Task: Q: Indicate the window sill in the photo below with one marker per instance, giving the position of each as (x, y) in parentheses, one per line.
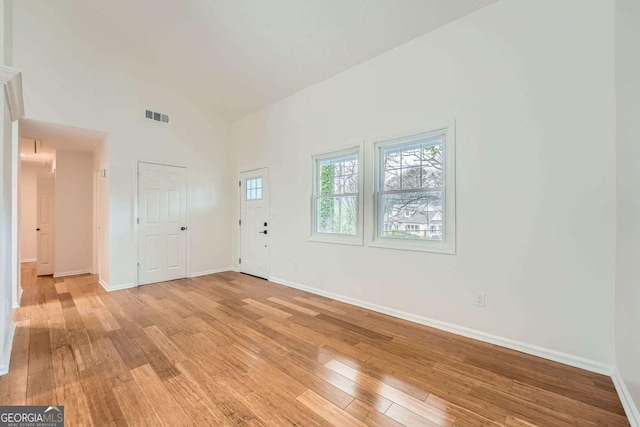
(337, 239)
(423, 246)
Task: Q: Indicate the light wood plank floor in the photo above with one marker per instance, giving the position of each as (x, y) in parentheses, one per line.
(229, 349)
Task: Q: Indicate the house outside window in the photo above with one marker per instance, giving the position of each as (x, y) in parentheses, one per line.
(415, 190)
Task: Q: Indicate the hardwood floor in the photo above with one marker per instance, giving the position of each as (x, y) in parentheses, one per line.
(229, 349)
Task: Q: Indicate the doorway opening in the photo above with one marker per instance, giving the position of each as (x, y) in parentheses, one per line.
(62, 200)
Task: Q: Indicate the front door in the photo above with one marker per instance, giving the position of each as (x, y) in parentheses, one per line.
(254, 223)
(45, 206)
(162, 218)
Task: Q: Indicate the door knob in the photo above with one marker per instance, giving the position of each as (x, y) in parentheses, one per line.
(262, 232)
(183, 228)
(37, 229)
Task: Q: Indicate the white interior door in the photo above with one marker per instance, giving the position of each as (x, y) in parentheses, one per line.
(45, 207)
(254, 223)
(162, 231)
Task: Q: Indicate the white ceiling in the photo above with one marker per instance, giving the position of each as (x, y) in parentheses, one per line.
(53, 137)
(245, 54)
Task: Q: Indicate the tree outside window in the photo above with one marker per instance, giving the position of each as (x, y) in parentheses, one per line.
(337, 195)
(411, 196)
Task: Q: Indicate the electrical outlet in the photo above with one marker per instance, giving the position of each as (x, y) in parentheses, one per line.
(296, 265)
(480, 299)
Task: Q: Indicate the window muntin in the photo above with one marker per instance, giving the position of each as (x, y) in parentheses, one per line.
(336, 199)
(337, 195)
(413, 165)
(412, 183)
(414, 190)
(253, 188)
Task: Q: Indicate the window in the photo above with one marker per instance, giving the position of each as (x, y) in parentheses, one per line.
(253, 189)
(414, 191)
(336, 201)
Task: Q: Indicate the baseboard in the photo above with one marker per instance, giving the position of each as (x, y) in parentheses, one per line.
(28, 260)
(545, 353)
(629, 406)
(204, 273)
(6, 351)
(17, 305)
(104, 284)
(72, 273)
(121, 287)
(109, 288)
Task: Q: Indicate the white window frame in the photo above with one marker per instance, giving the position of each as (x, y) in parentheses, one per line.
(345, 239)
(448, 243)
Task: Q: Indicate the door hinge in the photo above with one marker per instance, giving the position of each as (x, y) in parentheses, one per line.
(138, 265)
(239, 260)
(239, 222)
(239, 183)
(137, 220)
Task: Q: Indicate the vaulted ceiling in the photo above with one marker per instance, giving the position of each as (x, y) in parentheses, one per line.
(245, 54)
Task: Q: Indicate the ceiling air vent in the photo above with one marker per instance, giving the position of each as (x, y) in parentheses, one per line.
(158, 117)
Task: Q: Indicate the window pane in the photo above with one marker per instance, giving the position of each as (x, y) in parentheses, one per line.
(411, 155)
(254, 183)
(338, 175)
(392, 158)
(412, 178)
(432, 164)
(432, 177)
(337, 214)
(413, 166)
(326, 177)
(392, 179)
(416, 215)
(346, 184)
(253, 188)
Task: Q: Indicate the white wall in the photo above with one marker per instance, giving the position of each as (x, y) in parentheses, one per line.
(76, 72)
(7, 152)
(6, 34)
(101, 210)
(73, 213)
(628, 196)
(28, 209)
(531, 86)
(6, 323)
